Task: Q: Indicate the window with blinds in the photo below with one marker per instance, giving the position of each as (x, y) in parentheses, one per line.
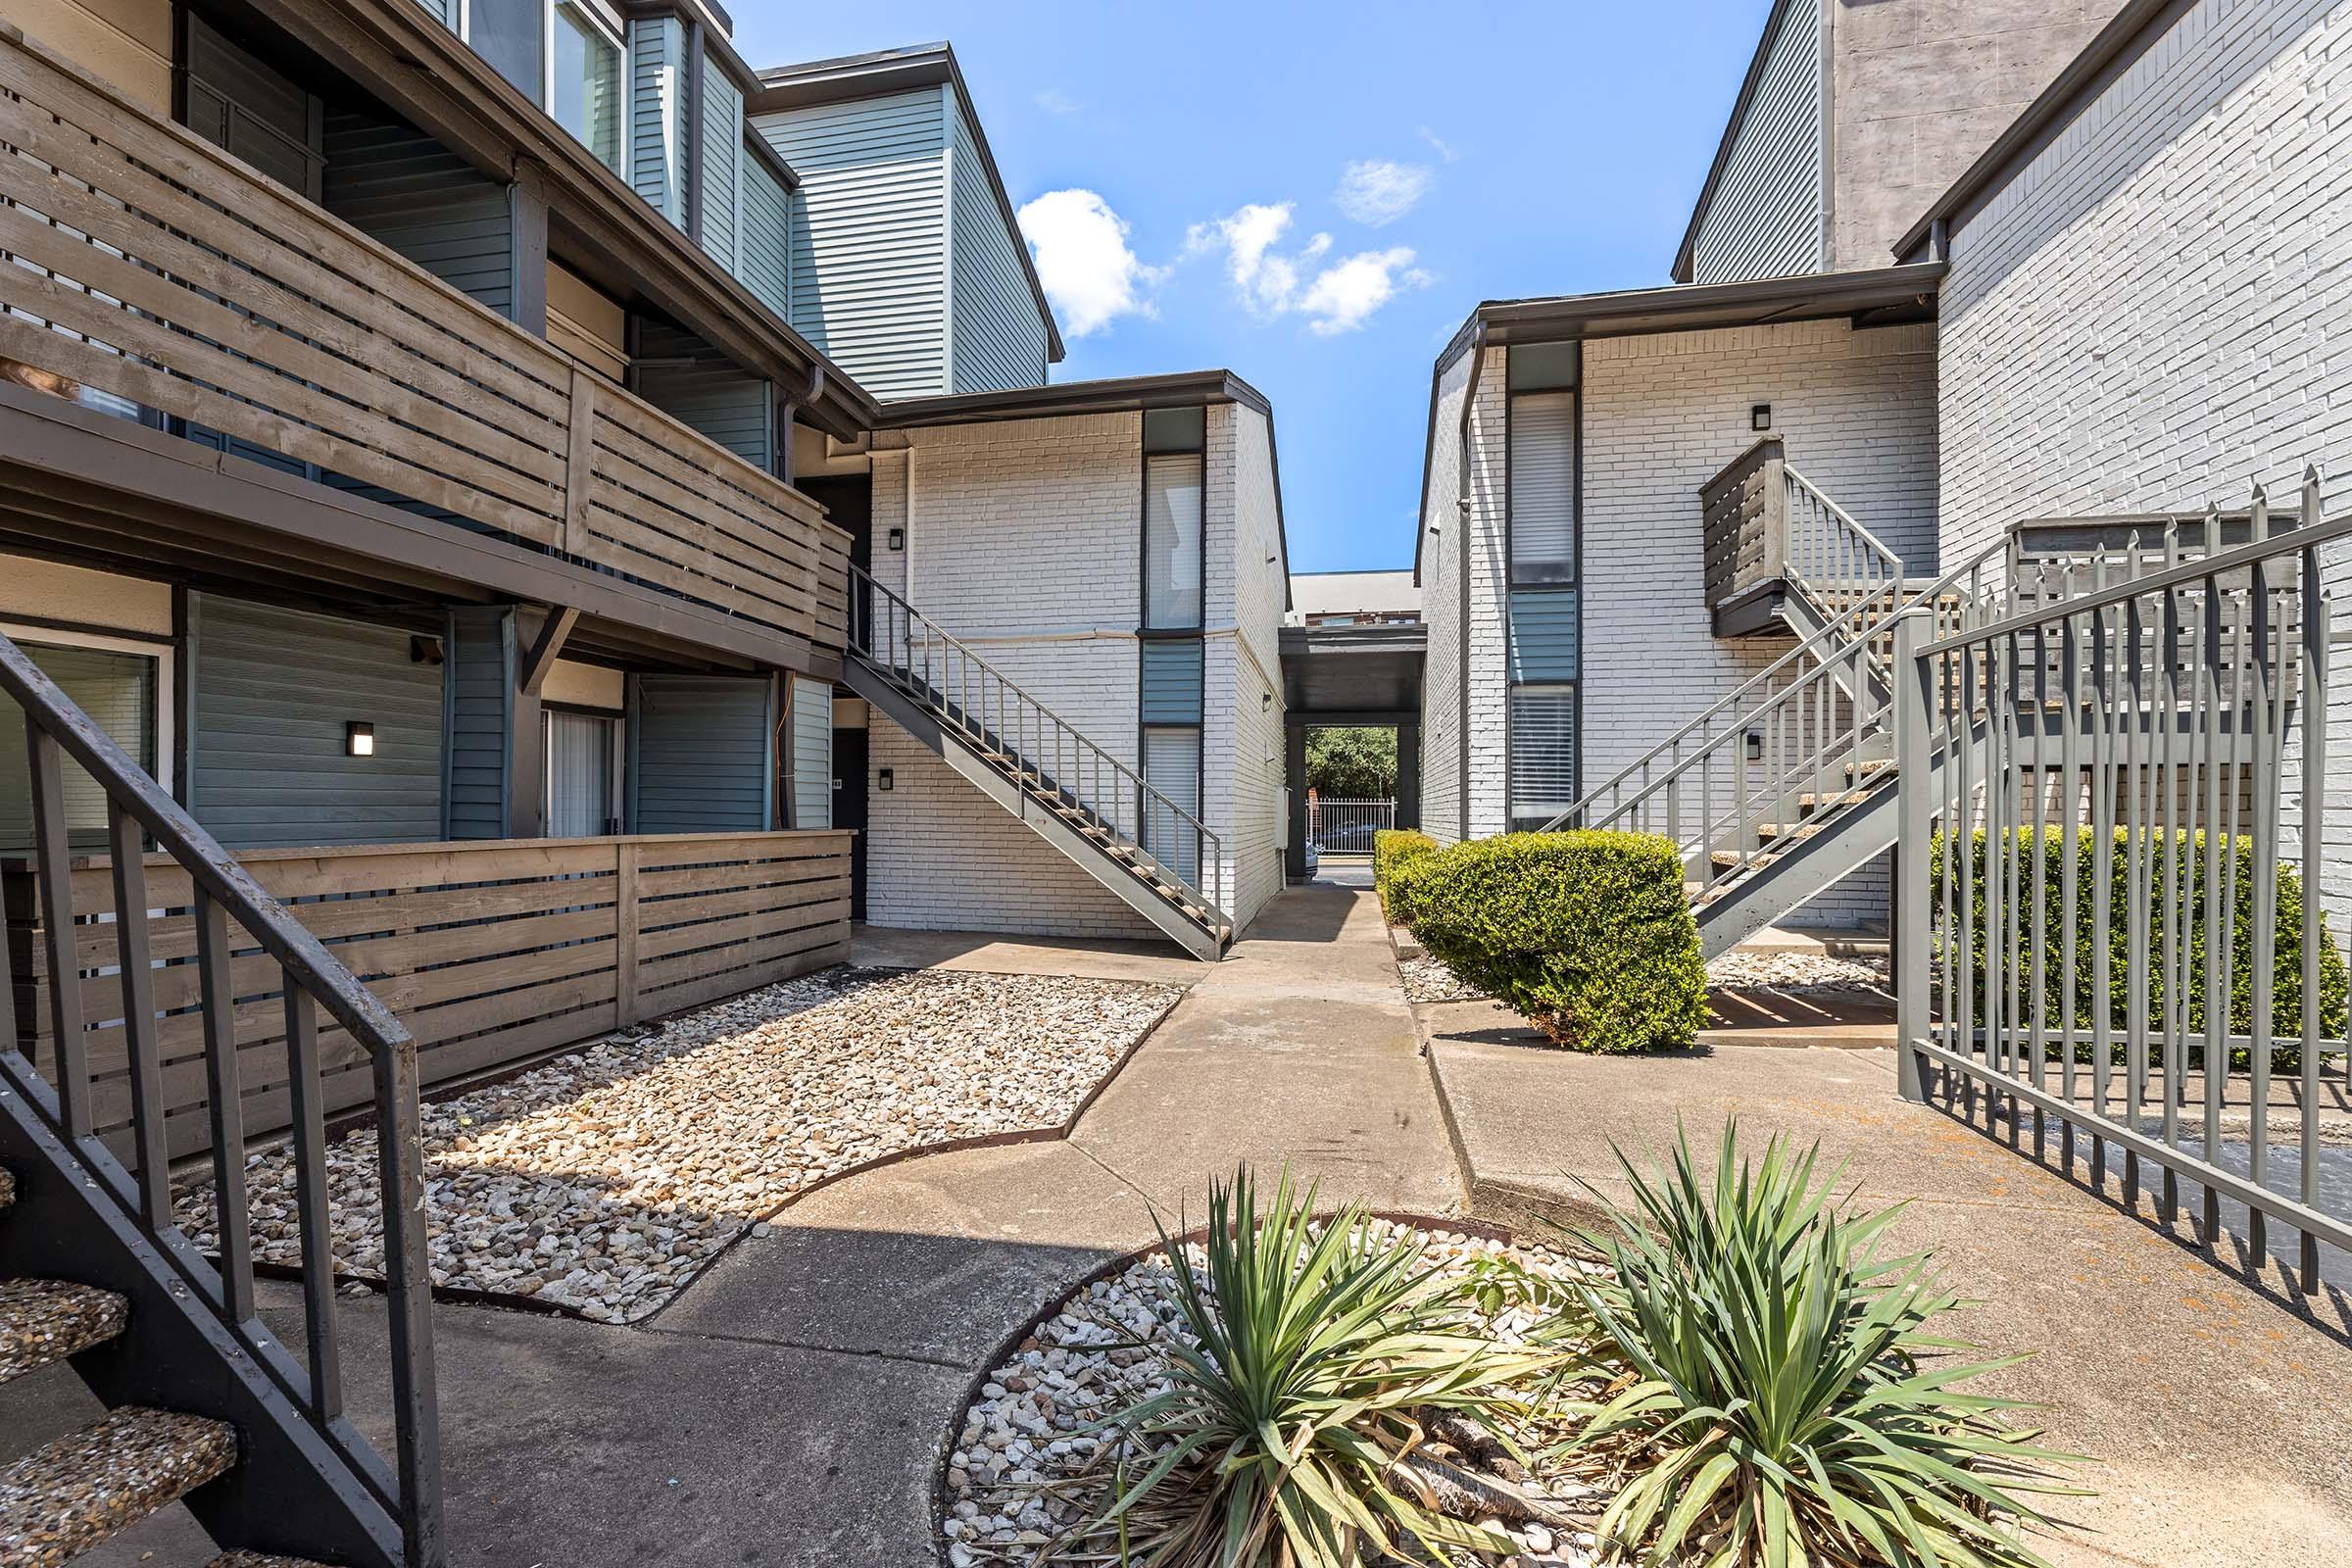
(580, 750)
(1542, 754)
(1172, 766)
(1172, 486)
(118, 691)
(1543, 487)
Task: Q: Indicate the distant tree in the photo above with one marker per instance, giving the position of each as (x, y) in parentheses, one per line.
(1352, 764)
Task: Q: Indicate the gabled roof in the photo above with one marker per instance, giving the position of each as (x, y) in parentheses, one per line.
(1682, 257)
(1878, 296)
(2108, 54)
(848, 78)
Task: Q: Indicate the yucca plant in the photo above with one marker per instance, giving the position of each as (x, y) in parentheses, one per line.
(1763, 1387)
(1319, 1358)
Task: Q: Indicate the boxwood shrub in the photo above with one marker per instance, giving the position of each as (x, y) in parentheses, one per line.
(1587, 934)
(1393, 850)
(2082, 862)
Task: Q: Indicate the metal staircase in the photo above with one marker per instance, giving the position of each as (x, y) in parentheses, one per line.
(1157, 858)
(1787, 784)
(206, 1404)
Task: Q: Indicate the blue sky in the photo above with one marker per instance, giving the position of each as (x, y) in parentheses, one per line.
(1429, 156)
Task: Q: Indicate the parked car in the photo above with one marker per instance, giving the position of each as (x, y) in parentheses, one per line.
(1346, 838)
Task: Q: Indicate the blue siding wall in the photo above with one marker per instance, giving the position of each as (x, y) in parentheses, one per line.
(271, 693)
(723, 160)
(1543, 636)
(711, 395)
(764, 263)
(999, 334)
(657, 156)
(869, 258)
(1765, 217)
(414, 195)
(699, 754)
(1172, 681)
(480, 713)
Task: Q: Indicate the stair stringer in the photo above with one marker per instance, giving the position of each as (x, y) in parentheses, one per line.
(938, 738)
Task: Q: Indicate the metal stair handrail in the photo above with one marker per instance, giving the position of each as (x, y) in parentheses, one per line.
(1049, 758)
(1837, 655)
(313, 977)
(1828, 547)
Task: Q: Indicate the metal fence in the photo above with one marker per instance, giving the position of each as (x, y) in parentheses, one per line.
(2126, 804)
(1345, 827)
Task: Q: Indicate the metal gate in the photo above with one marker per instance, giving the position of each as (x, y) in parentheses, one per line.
(1345, 827)
(2124, 864)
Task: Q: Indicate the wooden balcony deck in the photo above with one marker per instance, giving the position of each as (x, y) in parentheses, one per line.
(143, 262)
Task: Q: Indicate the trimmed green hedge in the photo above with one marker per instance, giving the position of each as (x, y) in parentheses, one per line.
(2082, 862)
(1393, 850)
(1587, 934)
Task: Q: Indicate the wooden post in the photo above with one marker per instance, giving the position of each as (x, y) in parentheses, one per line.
(579, 461)
(626, 1007)
(1770, 475)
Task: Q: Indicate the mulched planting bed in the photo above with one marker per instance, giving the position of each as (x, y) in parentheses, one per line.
(1026, 1469)
(602, 1181)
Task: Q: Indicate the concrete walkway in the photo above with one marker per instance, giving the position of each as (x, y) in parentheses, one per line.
(788, 1408)
(2221, 1412)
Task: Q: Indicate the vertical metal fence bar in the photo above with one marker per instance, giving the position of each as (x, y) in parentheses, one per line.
(54, 863)
(2222, 919)
(2137, 841)
(225, 1108)
(2069, 763)
(2102, 879)
(312, 1199)
(2263, 819)
(2222, 735)
(2043, 717)
(2166, 778)
(2318, 614)
(127, 843)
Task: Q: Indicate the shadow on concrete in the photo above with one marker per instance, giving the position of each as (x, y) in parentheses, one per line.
(1305, 912)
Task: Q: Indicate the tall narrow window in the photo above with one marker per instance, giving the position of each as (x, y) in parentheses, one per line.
(1542, 754)
(508, 34)
(587, 81)
(116, 689)
(581, 756)
(1542, 481)
(1172, 520)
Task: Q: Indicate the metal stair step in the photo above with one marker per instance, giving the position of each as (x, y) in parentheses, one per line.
(1823, 803)
(1754, 860)
(8, 1187)
(1768, 831)
(60, 1500)
(42, 1321)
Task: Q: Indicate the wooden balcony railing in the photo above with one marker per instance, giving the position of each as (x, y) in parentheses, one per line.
(486, 952)
(1744, 527)
(139, 260)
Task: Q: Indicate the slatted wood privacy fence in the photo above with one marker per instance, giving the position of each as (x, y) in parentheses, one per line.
(139, 260)
(489, 953)
(1744, 527)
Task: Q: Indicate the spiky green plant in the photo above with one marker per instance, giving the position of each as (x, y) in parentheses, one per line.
(1313, 1350)
(1765, 1387)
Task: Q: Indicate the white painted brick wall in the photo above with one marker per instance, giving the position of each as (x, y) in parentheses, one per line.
(1488, 688)
(1024, 538)
(1241, 732)
(2153, 315)
(1442, 568)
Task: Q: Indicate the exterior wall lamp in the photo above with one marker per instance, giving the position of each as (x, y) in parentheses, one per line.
(882, 780)
(1759, 417)
(897, 538)
(359, 738)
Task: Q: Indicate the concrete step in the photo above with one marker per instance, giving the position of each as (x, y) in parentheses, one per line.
(60, 1500)
(44, 1321)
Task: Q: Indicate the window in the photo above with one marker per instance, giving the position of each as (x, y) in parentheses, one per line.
(585, 89)
(1542, 754)
(583, 756)
(1172, 766)
(117, 687)
(1543, 487)
(1172, 540)
(563, 55)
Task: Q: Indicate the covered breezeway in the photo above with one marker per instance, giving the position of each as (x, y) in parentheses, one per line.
(1352, 675)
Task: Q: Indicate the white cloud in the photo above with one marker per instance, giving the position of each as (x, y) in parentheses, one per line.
(1445, 150)
(1379, 190)
(1272, 282)
(1343, 296)
(1083, 259)
(1053, 101)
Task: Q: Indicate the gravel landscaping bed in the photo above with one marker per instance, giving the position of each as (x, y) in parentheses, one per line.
(602, 1181)
(1025, 1468)
(1796, 970)
(1426, 979)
